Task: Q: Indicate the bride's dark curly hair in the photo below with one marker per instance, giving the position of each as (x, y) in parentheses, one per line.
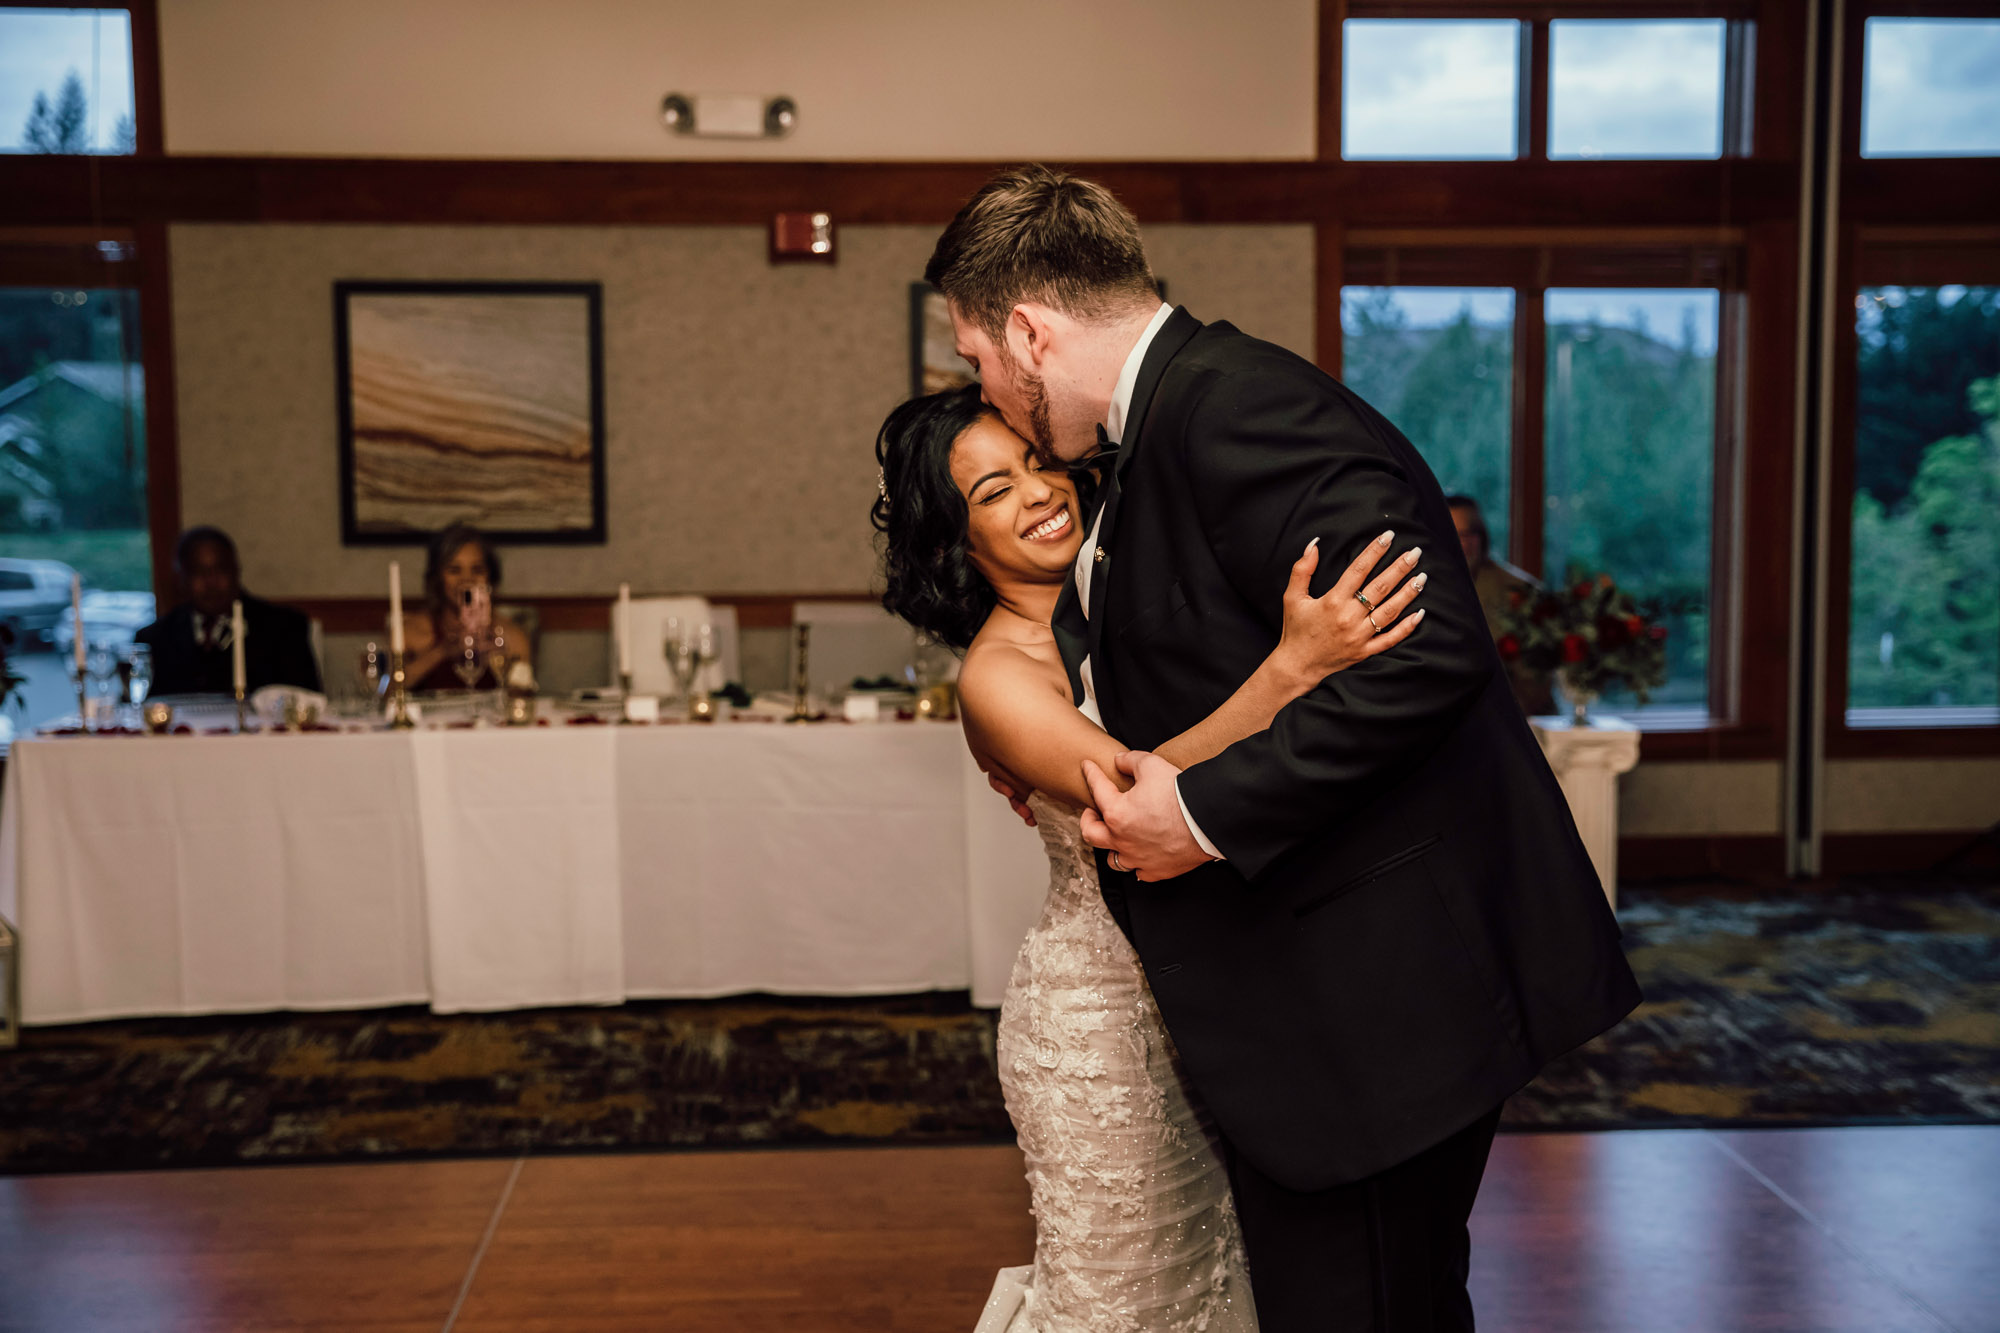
(928, 575)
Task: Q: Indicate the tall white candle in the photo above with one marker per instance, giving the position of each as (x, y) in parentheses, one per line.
(76, 618)
(624, 630)
(236, 677)
(395, 607)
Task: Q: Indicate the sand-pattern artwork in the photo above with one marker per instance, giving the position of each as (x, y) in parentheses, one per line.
(470, 407)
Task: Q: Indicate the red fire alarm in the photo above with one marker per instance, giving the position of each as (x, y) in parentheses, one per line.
(802, 237)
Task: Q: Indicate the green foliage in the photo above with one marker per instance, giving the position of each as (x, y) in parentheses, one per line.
(1630, 466)
(117, 561)
(1926, 576)
(1448, 389)
(1919, 348)
(62, 126)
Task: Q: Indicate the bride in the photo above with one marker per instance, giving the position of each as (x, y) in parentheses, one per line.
(1134, 1225)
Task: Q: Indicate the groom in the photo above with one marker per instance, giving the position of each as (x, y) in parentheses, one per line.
(1368, 925)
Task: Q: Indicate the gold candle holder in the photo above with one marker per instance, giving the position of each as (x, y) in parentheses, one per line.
(159, 716)
(801, 709)
(624, 698)
(399, 695)
(701, 708)
(242, 712)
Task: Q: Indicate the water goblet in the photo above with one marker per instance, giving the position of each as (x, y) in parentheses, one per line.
(139, 675)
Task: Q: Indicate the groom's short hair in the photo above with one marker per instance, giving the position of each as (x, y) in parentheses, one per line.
(1037, 234)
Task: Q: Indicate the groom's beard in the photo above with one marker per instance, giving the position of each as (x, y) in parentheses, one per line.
(1041, 435)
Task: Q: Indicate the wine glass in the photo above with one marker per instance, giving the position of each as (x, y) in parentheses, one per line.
(138, 673)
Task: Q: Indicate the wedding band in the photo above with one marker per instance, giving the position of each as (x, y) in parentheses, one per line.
(1362, 598)
(1116, 863)
(1371, 621)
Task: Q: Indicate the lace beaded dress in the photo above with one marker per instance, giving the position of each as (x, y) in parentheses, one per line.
(1135, 1230)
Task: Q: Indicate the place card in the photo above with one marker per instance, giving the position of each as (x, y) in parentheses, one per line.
(862, 707)
(642, 708)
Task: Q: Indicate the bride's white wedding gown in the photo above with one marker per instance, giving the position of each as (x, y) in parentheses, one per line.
(1135, 1229)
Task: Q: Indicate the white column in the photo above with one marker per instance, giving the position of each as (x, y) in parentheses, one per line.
(1587, 763)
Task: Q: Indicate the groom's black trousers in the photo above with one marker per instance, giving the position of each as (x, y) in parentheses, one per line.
(1387, 1254)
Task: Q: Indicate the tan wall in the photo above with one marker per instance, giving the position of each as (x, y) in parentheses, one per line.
(1911, 795)
(1185, 79)
(742, 398)
(1668, 800)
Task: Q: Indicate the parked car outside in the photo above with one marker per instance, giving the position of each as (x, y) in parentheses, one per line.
(109, 618)
(34, 596)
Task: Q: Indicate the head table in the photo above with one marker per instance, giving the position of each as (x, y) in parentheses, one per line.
(502, 868)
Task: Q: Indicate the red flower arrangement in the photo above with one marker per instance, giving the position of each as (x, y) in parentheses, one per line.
(1593, 632)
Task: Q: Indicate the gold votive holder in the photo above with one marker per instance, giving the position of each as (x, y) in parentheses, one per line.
(701, 708)
(159, 717)
(520, 710)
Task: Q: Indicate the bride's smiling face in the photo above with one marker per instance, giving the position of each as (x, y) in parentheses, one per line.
(1023, 523)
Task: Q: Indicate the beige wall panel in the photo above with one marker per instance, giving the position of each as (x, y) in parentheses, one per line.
(1911, 795)
(1701, 799)
(742, 398)
(1173, 79)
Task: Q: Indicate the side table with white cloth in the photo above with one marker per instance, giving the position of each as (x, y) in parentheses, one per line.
(501, 868)
(1587, 761)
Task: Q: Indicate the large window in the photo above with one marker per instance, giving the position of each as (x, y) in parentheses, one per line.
(1931, 88)
(1606, 403)
(1629, 460)
(1924, 607)
(1512, 88)
(66, 81)
(72, 483)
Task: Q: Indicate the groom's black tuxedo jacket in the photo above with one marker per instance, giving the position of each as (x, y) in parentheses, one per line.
(1406, 927)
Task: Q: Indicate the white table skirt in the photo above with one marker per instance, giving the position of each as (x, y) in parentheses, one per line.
(507, 869)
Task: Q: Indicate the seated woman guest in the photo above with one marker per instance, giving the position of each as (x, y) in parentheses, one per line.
(461, 577)
(191, 644)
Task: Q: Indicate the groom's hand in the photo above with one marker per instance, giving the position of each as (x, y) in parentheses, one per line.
(1144, 827)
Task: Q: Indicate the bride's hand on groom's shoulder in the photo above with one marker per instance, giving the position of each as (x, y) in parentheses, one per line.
(1357, 618)
(1011, 787)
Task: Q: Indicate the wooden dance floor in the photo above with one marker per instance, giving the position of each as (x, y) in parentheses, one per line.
(1819, 1231)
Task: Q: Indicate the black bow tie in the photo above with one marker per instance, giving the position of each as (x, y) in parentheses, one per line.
(1106, 450)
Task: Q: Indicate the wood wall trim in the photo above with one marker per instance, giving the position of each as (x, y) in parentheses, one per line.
(47, 191)
(1761, 857)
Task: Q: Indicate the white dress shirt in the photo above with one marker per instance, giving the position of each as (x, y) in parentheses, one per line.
(1114, 430)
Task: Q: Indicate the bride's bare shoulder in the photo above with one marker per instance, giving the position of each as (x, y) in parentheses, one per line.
(997, 666)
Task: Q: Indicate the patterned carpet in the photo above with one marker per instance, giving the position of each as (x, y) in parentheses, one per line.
(1871, 1004)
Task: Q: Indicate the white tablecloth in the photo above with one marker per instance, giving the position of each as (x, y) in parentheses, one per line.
(504, 869)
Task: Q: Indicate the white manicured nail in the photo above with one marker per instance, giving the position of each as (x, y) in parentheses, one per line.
(1417, 583)
(1386, 538)
(1415, 618)
(1412, 554)
(1314, 542)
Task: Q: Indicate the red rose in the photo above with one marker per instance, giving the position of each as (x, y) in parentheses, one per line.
(1573, 648)
(1509, 646)
(1634, 624)
(1659, 634)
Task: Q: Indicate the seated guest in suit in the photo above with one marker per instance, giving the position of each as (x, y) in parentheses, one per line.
(191, 643)
(1496, 581)
(461, 578)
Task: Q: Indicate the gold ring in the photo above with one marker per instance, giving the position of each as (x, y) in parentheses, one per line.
(1371, 621)
(1362, 598)
(1116, 863)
